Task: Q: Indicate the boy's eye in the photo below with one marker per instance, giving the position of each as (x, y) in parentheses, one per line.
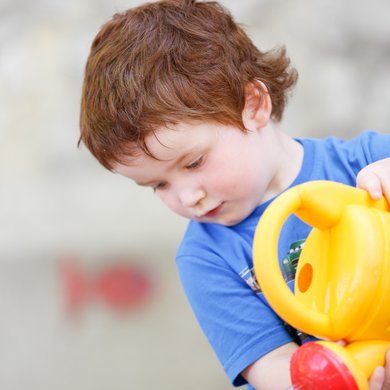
(196, 164)
(160, 186)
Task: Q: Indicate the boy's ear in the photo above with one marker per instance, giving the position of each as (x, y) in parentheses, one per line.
(258, 107)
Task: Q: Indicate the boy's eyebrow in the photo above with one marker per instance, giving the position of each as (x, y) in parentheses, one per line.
(182, 157)
(196, 149)
(146, 184)
(178, 160)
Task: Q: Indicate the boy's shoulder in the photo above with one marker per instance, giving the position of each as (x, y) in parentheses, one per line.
(364, 138)
(367, 142)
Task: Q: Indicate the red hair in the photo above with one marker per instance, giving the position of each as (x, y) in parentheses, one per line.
(168, 61)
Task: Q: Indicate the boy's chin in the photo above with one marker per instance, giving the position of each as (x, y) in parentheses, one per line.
(224, 221)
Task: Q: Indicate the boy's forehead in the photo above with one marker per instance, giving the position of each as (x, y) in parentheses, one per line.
(167, 143)
(140, 168)
(144, 169)
(171, 144)
(163, 138)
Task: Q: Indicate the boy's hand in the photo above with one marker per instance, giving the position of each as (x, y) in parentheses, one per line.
(380, 378)
(375, 178)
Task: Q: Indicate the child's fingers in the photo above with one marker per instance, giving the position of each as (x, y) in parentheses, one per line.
(369, 181)
(375, 178)
(386, 189)
(380, 378)
(386, 380)
(377, 378)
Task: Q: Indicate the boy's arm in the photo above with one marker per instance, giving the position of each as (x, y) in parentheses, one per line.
(272, 371)
(375, 178)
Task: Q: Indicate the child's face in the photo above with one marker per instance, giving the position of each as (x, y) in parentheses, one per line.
(209, 172)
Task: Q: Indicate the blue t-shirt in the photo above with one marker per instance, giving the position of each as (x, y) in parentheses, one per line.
(216, 268)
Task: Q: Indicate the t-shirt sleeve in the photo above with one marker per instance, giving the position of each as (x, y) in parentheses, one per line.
(342, 160)
(375, 146)
(238, 323)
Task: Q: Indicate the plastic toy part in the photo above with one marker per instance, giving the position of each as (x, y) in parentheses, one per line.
(328, 365)
(342, 282)
(313, 366)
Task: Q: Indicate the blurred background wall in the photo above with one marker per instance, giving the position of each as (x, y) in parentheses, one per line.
(57, 203)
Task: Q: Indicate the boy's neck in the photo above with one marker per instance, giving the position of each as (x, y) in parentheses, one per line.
(290, 153)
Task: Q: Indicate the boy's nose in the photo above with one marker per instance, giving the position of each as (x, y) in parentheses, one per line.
(190, 198)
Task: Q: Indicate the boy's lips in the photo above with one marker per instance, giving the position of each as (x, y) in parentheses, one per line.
(213, 212)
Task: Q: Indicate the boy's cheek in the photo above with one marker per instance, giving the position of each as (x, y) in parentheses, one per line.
(164, 199)
(171, 204)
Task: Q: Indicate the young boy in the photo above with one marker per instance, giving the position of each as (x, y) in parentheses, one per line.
(177, 98)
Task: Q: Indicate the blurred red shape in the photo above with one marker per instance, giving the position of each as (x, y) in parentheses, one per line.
(122, 286)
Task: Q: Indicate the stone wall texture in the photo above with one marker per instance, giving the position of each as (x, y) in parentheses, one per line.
(56, 201)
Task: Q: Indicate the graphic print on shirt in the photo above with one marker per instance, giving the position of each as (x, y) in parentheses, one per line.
(248, 274)
(289, 269)
(290, 262)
